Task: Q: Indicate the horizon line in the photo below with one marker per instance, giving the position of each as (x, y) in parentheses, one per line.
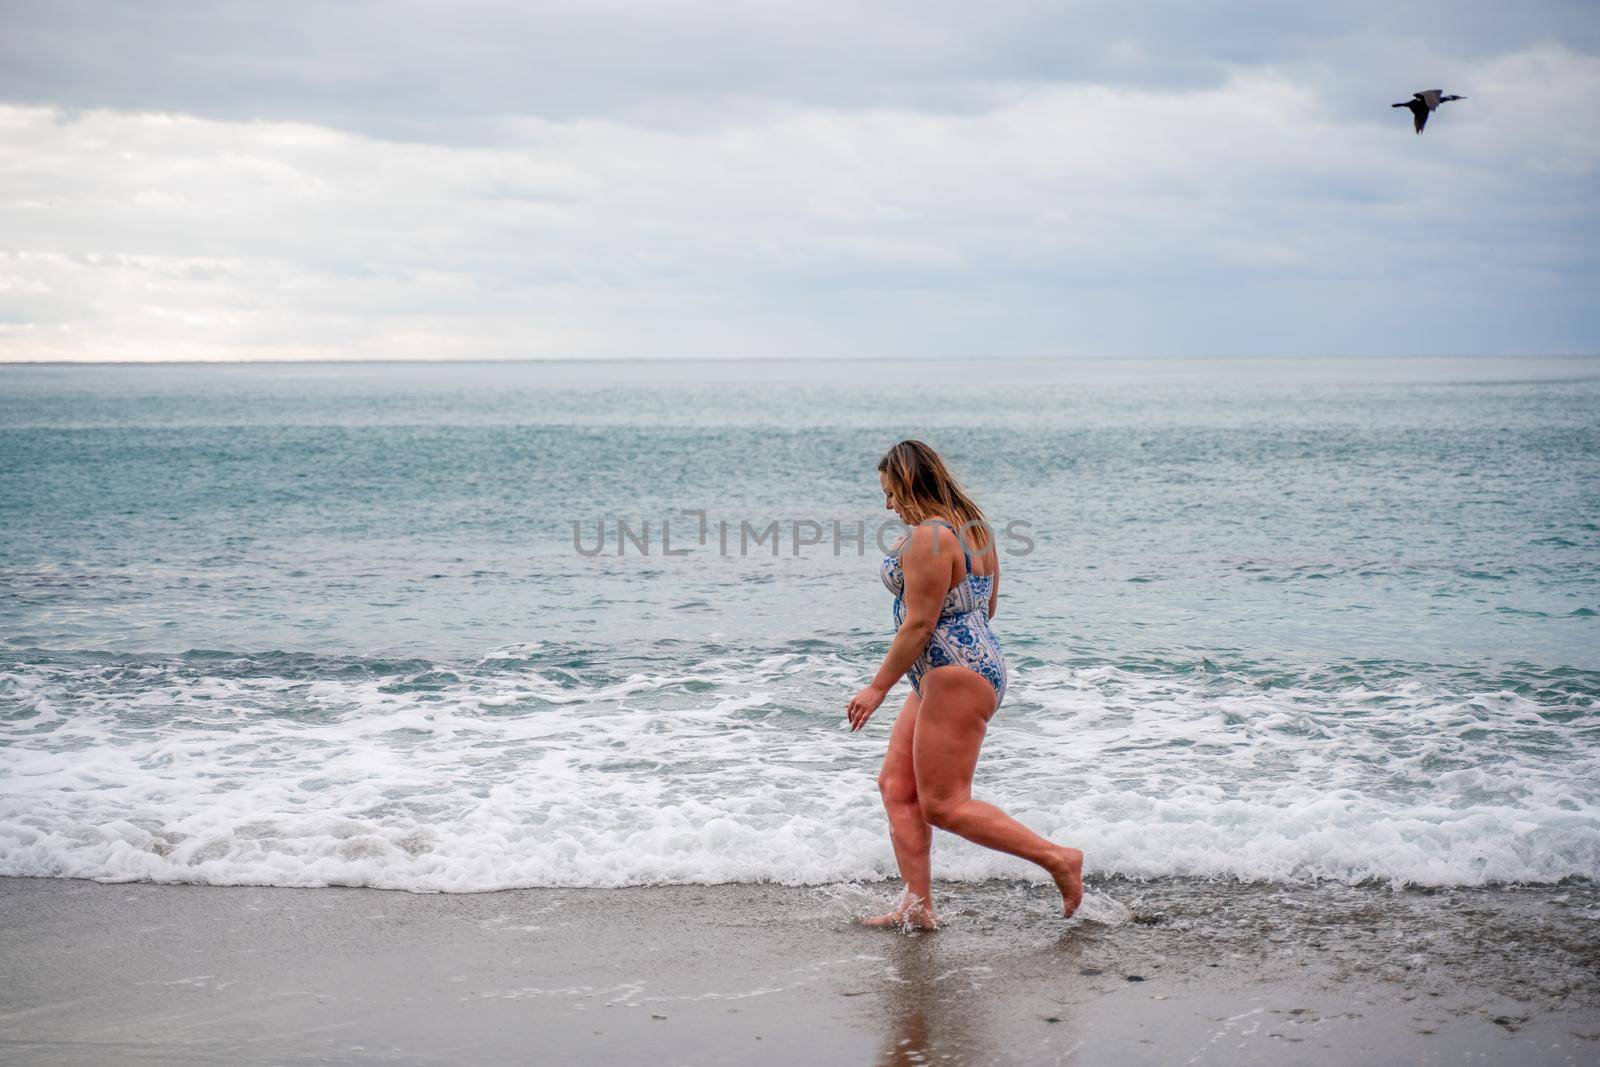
(258, 361)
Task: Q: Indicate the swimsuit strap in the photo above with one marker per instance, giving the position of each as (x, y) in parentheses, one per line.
(965, 555)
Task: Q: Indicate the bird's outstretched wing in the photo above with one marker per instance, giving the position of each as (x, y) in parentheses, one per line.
(1430, 97)
(1419, 117)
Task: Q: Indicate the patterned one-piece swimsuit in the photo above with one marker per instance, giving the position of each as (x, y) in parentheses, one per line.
(962, 637)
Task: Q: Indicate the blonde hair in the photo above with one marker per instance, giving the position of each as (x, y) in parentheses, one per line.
(925, 489)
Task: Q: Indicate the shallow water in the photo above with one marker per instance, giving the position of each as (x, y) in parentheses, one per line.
(317, 624)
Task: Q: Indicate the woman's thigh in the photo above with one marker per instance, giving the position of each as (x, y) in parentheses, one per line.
(949, 728)
(899, 775)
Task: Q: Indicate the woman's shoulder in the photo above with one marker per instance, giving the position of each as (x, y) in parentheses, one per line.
(931, 538)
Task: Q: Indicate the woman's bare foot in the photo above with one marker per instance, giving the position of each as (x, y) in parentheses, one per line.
(1068, 873)
(911, 913)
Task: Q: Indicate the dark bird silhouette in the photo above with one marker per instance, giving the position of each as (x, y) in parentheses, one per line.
(1423, 103)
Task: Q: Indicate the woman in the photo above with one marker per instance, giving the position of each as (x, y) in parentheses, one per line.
(944, 596)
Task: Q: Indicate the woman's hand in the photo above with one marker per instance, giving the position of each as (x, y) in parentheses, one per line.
(862, 705)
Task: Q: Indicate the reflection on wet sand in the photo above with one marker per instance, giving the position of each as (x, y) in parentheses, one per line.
(929, 1012)
(935, 1006)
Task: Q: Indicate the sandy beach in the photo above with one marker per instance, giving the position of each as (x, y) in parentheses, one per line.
(1200, 973)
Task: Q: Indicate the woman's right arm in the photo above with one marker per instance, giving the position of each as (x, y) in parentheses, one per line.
(994, 590)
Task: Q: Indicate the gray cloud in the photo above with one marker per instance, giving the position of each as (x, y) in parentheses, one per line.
(450, 72)
(355, 180)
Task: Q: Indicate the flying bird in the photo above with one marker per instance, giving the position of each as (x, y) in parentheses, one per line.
(1421, 104)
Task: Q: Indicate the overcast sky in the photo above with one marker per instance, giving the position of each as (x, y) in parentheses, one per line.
(748, 179)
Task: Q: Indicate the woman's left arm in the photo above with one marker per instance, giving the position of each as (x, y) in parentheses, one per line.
(925, 562)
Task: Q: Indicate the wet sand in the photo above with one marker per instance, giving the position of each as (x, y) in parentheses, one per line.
(1200, 973)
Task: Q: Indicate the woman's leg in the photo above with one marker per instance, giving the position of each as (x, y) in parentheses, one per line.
(911, 836)
(954, 714)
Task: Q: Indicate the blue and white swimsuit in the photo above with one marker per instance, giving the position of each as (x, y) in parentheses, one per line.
(962, 637)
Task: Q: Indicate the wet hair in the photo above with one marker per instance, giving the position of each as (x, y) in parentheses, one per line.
(926, 489)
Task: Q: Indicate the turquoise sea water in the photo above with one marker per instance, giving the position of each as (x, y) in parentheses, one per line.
(316, 623)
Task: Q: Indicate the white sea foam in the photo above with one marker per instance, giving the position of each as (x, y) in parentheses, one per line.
(735, 769)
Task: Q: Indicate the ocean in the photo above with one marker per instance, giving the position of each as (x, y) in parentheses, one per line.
(462, 627)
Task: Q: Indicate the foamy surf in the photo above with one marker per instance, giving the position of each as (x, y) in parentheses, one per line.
(1102, 908)
(508, 770)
